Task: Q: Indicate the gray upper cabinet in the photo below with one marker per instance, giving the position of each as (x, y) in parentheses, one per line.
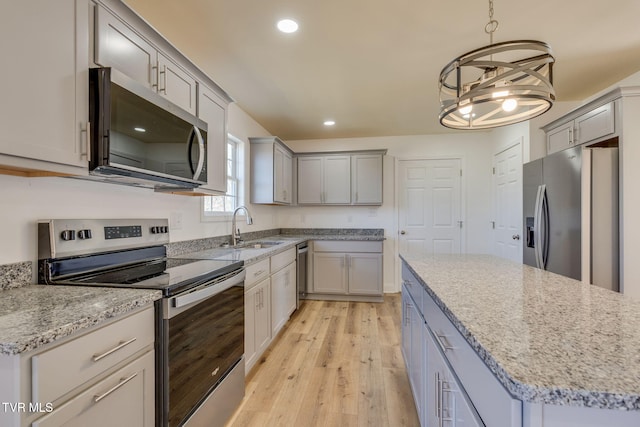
(121, 47)
(574, 129)
(366, 179)
(47, 83)
(345, 178)
(271, 171)
(212, 109)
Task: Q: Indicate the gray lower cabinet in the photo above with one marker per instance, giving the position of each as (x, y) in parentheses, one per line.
(102, 377)
(346, 270)
(450, 383)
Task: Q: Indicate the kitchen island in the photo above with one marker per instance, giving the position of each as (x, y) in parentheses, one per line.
(568, 351)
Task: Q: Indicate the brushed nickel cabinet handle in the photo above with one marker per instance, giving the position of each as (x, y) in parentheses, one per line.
(123, 381)
(120, 345)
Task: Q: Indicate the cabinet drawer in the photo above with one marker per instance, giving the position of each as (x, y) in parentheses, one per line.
(346, 246)
(89, 355)
(124, 398)
(256, 272)
(282, 259)
(492, 401)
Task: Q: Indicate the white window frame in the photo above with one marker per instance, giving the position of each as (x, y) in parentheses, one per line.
(234, 176)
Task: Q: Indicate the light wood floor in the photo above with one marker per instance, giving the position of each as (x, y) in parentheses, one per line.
(334, 364)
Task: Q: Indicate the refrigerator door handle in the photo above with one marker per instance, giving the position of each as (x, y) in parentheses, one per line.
(537, 227)
(544, 250)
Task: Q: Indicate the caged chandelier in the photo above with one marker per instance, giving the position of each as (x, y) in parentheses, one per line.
(497, 85)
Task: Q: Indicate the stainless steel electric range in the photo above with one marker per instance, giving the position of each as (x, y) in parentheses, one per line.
(199, 321)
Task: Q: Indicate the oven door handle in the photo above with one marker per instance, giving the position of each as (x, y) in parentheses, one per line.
(208, 290)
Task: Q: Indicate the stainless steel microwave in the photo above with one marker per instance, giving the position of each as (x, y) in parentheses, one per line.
(138, 137)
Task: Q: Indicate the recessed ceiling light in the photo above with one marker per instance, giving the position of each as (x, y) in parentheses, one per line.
(329, 122)
(138, 129)
(287, 26)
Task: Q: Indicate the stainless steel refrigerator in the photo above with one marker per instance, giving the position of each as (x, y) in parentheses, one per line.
(552, 208)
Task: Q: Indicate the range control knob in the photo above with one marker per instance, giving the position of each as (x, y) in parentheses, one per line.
(155, 229)
(165, 229)
(84, 234)
(67, 235)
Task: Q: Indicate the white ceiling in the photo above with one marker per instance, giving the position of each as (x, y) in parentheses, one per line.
(373, 65)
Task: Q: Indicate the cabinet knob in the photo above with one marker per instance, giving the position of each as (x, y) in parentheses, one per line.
(403, 232)
(516, 237)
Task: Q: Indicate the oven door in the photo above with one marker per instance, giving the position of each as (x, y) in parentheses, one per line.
(203, 341)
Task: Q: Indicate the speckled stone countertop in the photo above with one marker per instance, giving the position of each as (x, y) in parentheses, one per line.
(249, 254)
(547, 338)
(34, 315)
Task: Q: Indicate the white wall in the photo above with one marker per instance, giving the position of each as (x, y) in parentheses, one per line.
(474, 148)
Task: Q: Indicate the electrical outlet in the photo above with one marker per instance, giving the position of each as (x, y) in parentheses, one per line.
(175, 220)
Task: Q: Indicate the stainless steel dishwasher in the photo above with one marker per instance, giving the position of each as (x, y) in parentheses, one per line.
(301, 259)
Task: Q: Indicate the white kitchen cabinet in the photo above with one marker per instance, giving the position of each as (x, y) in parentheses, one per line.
(120, 46)
(213, 110)
(347, 270)
(125, 397)
(283, 301)
(366, 179)
(324, 180)
(104, 375)
(44, 86)
(271, 171)
(257, 322)
(587, 127)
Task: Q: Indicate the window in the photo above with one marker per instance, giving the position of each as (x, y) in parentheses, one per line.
(222, 206)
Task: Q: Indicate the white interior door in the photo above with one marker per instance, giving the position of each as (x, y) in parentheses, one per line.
(507, 181)
(430, 215)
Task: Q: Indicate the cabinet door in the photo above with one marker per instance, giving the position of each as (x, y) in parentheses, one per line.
(417, 368)
(446, 401)
(282, 174)
(337, 180)
(329, 273)
(251, 306)
(118, 46)
(45, 82)
(125, 398)
(176, 84)
(595, 124)
(263, 317)
(281, 284)
(365, 273)
(366, 179)
(560, 138)
(310, 177)
(212, 110)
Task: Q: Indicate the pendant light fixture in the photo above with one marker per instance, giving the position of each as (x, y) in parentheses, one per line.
(497, 85)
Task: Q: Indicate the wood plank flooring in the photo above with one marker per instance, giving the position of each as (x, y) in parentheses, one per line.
(334, 364)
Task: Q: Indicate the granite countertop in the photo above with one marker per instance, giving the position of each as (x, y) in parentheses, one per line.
(250, 254)
(34, 315)
(547, 338)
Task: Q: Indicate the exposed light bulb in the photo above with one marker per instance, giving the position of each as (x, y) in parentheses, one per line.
(466, 109)
(509, 104)
(329, 122)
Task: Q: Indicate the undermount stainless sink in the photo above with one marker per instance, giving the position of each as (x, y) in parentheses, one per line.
(257, 245)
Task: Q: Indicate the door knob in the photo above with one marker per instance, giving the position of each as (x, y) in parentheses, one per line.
(516, 237)
(403, 232)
